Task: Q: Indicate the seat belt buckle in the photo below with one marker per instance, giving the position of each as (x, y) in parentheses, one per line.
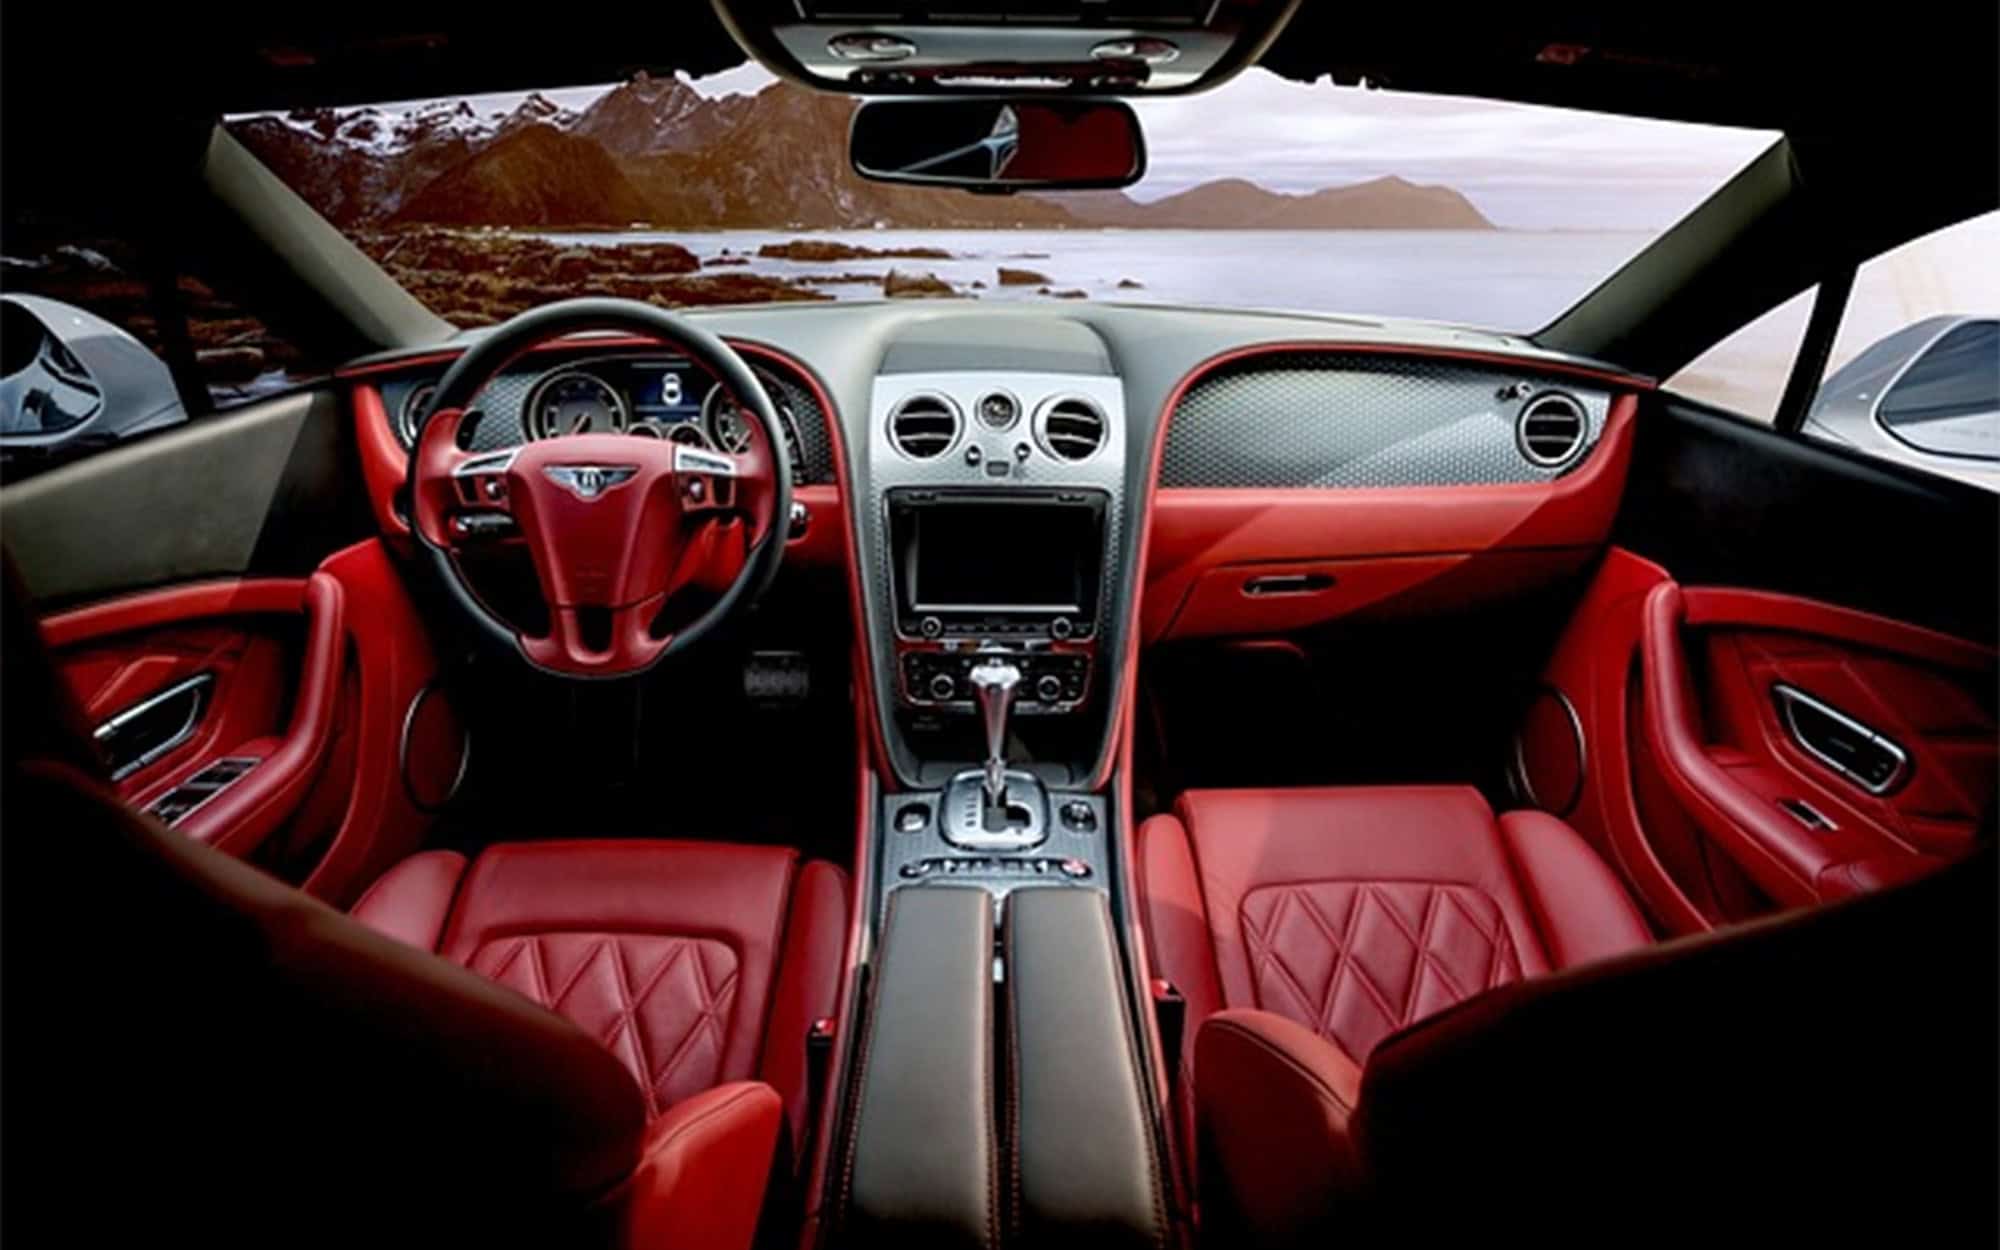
(819, 1055)
(1170, 1015)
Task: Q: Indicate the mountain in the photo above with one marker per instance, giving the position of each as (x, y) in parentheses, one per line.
(657, 150)
(1389, 203)
(651, 116)
(537, 175)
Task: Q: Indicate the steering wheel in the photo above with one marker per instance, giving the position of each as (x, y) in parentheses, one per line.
(617, 524)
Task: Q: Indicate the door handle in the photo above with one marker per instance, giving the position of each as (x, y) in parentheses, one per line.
(1864, 756)
(155, 725)
(1287, 584)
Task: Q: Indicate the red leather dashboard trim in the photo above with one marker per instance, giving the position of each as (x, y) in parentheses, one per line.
(1573, 510)
(1708, 606)
(384, 465)
(1380, 534)
(857, 614)
(172, 605)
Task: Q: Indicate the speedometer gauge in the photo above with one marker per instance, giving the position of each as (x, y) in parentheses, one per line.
(575, 403)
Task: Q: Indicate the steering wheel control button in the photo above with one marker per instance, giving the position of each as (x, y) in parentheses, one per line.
(1079, 817)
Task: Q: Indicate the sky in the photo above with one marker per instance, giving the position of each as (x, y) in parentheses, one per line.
(1525, 166)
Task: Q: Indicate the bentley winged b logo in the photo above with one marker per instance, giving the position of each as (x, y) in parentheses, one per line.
(588, 481)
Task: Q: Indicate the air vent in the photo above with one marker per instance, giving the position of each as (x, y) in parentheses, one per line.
(924, 426)
(1551, 429)
(1070, 428)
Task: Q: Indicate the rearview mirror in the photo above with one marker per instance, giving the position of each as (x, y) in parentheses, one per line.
(998, 144)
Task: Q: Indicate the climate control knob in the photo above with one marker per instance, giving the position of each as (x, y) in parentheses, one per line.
(1048, 688)
(943, 687)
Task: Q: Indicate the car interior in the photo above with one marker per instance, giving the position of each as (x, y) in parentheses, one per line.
(984, 773)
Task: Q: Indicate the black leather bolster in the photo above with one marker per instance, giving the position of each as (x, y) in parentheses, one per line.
(1085, 1170)
(921, 1159)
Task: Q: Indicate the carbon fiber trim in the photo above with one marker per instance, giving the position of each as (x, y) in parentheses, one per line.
(504, 401)
(1336, 420)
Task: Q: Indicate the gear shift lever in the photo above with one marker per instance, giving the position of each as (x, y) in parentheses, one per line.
(993, 682)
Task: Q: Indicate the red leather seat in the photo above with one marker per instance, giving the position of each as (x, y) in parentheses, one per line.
(1349, 913)
(695, 963)
(1356, 911)
(1409, 1020)
(195, 1046)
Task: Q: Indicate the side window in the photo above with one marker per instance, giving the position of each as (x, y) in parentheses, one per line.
(1746, 372)
(1914, 373)
(85, 362)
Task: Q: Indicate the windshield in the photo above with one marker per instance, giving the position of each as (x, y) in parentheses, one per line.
(1264, 193)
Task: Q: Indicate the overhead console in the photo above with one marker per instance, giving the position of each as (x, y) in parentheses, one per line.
(1124, 47)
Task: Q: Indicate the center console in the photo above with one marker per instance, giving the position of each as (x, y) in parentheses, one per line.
(990, 504)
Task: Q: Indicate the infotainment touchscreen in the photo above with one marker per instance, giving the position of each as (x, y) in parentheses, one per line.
(977, 556)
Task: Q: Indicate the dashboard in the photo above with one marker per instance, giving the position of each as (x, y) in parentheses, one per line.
(644, 394)
(1067, 486)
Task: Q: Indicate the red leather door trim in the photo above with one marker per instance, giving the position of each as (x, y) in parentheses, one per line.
(173, 605)
(1732, 796)
(242, 816)
(1712, 606)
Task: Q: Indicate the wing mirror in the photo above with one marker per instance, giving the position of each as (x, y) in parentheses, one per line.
(68, 377)
(998, 145)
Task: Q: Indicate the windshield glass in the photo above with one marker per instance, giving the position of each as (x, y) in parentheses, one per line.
(1264, 193)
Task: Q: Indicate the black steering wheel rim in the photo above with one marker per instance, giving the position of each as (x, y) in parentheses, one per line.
(478, 364)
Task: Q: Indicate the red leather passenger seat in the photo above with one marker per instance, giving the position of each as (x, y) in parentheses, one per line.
(1409, 1020)
(695, 963)
(1357, 911)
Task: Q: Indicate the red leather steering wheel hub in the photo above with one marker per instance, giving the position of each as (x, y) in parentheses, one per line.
(617, 525)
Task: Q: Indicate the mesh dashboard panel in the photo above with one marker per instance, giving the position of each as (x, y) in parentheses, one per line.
(1333, 420)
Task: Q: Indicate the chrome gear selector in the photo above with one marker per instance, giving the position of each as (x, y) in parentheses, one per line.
(993, 684)
(991, 808)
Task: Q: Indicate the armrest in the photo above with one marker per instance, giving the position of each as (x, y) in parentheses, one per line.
(1086, 1165)
(701, 1179)
(241, 817)
(921, 1164)
(1273, 1101)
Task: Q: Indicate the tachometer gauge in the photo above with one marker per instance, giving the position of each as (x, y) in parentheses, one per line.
(724, 421)
(575, 403)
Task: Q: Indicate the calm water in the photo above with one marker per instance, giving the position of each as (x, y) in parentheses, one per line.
(1504, 279)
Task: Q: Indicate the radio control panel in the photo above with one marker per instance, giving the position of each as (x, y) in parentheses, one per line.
(1052, 682)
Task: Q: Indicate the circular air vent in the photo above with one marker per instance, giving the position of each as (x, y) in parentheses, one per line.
(415, 404)
(1551, 429)
(924, 426)
(1070, 428)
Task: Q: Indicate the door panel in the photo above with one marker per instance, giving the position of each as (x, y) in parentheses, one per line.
(1762, 587)
(231, 564)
